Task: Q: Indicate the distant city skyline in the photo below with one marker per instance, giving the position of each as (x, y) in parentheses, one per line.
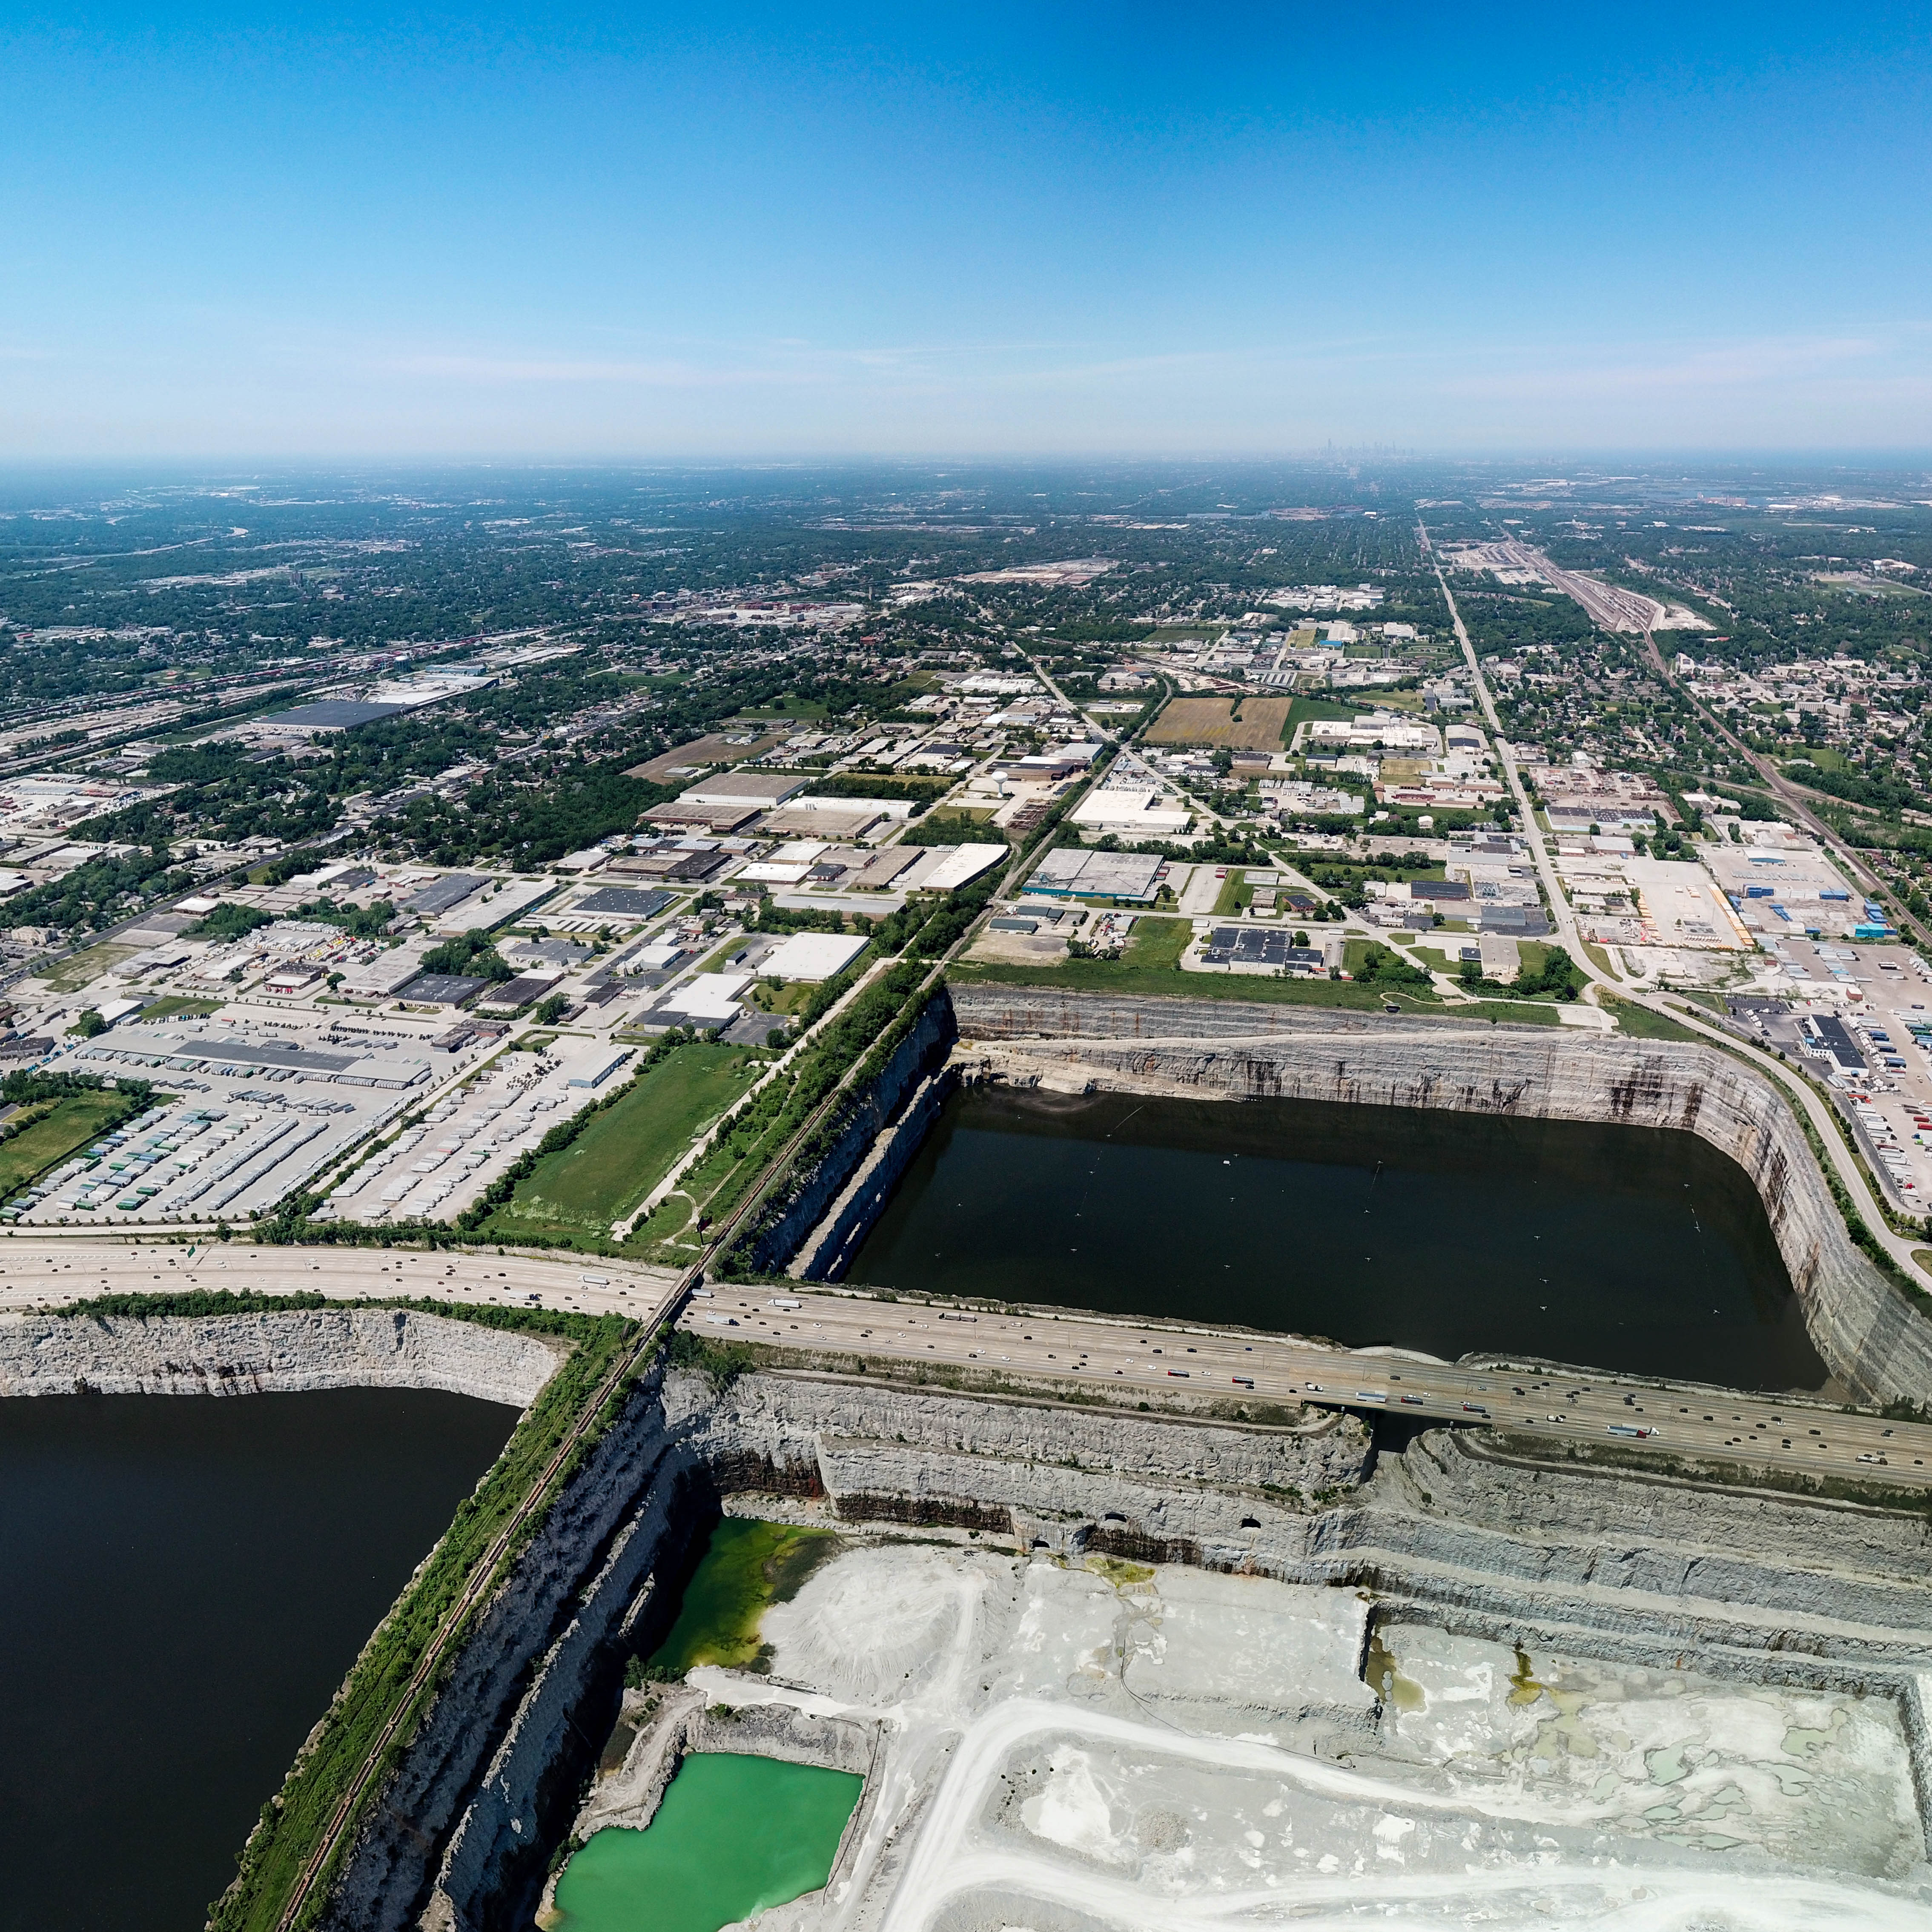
(881, 233)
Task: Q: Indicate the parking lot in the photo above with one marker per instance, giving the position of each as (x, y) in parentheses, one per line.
(1859, 1019)
(470, 1138)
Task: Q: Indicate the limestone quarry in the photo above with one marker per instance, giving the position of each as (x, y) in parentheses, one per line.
(1100, 1743)
(1104, 1664)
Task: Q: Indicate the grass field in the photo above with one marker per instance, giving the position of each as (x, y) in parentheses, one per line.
(623, 1153)
(1104, 976)
(965, 823)
(69, 976)
(59, 1133)
(1157, 942)
(1235, 893)
(175, 1004)
(787, 999)
(71, 1124)
(1212, 720)
(1640, 1023)
(1100, 976)
(1303, 709)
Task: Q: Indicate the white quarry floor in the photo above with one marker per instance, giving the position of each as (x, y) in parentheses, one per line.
(1118, 1746)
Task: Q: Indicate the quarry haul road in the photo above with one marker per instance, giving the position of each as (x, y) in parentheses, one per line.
(1781, 1432)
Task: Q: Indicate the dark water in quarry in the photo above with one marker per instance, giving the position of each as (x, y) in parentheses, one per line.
(1618, 1248)
(184, 1582)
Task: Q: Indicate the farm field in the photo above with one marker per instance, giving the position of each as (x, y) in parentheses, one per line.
(1240, 724)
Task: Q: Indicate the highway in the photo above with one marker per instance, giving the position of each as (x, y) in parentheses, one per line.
(1693, 1420)
(1788, 1432)
(46, 1274)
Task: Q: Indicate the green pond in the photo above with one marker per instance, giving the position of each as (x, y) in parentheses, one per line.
(748, 1566)
(732, 1836)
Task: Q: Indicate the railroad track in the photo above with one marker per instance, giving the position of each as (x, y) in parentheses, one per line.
(483, 1579)
(473, 1594)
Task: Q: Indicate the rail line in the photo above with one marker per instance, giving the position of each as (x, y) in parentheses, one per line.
(483, 1580)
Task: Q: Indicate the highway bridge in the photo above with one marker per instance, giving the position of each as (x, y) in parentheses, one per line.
(1792, 1433)
(1787, 1432)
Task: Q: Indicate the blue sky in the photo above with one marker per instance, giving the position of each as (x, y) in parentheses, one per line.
(996, 229)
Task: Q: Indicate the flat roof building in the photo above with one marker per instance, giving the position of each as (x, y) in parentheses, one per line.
(761, 789)
(1068, 872)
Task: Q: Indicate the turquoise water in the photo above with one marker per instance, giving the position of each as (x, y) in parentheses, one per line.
(732, 1836)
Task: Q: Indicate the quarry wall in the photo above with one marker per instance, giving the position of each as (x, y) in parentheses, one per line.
(348, 1347)
(915, 1058)
(1874, 1341)
(1584, 1562)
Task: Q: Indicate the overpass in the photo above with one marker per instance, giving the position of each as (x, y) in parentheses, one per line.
(1795, 1434)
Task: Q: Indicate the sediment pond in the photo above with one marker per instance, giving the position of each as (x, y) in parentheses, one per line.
(747, 1565)
(732, 1836)
(186, 1581)
(1619, 1248)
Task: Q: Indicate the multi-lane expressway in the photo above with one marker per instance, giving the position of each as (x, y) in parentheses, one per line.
(46, 1274)
(1784, 1432)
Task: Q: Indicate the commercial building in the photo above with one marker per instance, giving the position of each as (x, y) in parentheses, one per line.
(760, 790)
(1070, 873)
(1132, 812)
(812, 955)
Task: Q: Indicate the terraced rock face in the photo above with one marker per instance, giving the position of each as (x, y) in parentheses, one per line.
(263, 1354)
(1876, 1344)
(1108, 1745)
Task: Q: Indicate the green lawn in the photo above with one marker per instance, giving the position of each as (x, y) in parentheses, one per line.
(175, 1004)
(1235, 892)
(1512, 1012)
(1157, 942)
(71, 1124)
(1303, 709)
(623, 1153)
(1640, 1023)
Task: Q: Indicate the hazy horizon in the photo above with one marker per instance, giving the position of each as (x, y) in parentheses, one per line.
(362, 236)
